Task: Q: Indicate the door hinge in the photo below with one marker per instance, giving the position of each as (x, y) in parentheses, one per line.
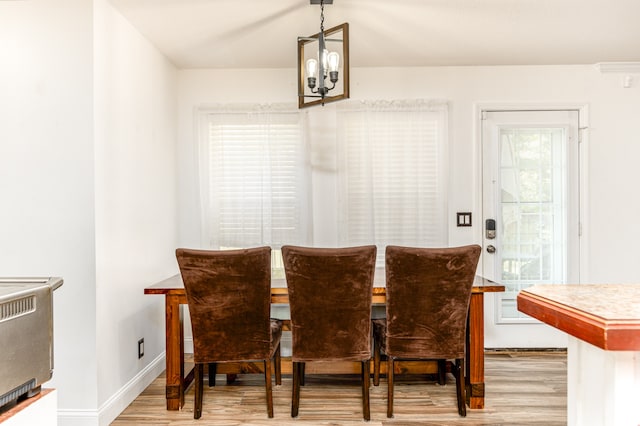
(580, 133)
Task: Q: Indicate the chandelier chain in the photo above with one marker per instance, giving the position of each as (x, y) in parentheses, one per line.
(321, 15)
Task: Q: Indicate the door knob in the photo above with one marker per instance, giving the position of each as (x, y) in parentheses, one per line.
(491, 249)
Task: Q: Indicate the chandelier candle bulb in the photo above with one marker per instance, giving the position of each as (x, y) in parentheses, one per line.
(312, 68)
(334, 60)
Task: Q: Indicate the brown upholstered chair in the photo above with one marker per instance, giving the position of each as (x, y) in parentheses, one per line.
(229, 299)
(330, 292)
(428, 294)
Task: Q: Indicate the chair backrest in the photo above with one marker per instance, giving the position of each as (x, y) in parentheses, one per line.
(229, 299)
(330, 292)
(428, 293)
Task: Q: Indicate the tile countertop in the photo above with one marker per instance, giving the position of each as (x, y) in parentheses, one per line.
(605, 315)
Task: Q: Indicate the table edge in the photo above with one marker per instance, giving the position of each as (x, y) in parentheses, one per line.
(173, 286)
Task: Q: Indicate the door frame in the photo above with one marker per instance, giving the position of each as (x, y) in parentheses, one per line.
(583, 192)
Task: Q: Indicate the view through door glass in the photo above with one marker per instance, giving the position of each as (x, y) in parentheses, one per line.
(530, 190)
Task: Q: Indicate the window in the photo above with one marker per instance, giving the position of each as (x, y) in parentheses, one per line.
(254, 178)
(392, 174)
(533, 173)
(534, 170)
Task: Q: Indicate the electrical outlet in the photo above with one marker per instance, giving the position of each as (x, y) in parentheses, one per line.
(140, 348)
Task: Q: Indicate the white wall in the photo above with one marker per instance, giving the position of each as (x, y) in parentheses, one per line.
(136, 233)
(88, 191)
(46, 174)
(612, 150)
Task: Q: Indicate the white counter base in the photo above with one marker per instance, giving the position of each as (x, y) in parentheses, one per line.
(603, 386)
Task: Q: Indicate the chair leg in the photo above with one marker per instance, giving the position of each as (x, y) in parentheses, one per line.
(366, 382)
(376, 362)
(442, 372)
(390, 374)
(295, 391)
(198, 390)
(267, 385)
(212, 374)
(460, 392)
(278, 366)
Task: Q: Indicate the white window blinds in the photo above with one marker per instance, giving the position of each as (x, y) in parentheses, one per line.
(254, 177)
(392, 174)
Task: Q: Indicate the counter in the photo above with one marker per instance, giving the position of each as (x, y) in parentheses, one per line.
(603, 353)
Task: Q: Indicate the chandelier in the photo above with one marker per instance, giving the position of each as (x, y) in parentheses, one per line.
(317, 61)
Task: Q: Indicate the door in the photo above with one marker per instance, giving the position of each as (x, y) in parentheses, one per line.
(530, 217)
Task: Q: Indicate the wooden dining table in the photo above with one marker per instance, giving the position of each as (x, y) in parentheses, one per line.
(175, 298)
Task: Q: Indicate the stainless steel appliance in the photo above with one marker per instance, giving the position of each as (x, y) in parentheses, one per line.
(26, 335)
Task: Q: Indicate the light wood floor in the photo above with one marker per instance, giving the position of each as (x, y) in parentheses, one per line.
(522, 388)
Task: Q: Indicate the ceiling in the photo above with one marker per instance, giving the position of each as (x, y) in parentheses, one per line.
(263, 33)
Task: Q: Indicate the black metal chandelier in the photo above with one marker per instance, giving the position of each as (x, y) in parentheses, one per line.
(316, 62)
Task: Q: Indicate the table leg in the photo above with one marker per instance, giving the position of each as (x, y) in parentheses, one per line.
(174, 353)
(474, 363)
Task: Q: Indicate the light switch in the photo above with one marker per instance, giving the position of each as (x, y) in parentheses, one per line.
(464, 219)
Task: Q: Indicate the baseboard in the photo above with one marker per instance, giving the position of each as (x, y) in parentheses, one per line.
(115, 405)
(130, 391)
(78, 417)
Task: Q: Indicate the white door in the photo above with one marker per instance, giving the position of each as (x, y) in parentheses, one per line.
(530, 217)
